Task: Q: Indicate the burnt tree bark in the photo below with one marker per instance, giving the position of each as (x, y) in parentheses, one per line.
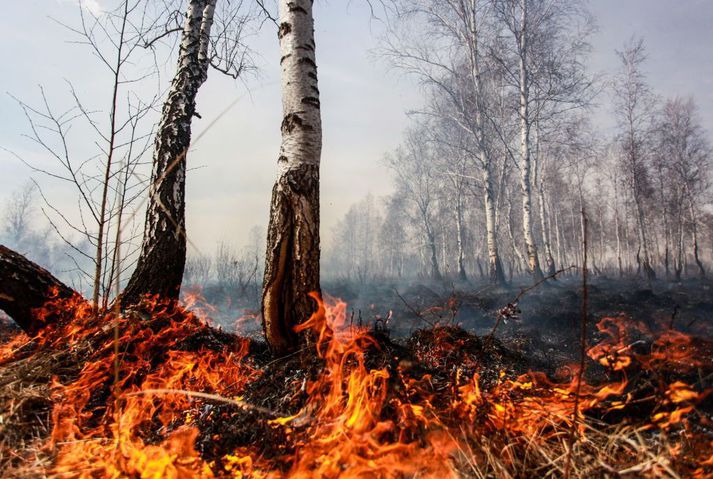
(163, 252)
(292, 257)
(24, 287)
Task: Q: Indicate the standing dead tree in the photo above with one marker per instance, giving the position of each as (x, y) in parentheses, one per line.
(101, 181)
(292, 256)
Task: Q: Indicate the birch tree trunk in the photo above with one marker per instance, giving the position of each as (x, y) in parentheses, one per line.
(561, 249)
(163, 252)
(525, 160)
(694, 235)
(645, 262)
(431, 240)
(292, 257)
(460, 237)
(618, 244)
(550, 261)
(495, 268)
(521, 263)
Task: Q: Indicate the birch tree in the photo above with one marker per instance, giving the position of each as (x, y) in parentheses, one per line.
(634, 108)
(416, 179)
(686, 150)
(448, 56)
(543, 63)
(163, 251)
(292, 256)
(161, 263)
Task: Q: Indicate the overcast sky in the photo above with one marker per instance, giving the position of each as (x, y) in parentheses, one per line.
(364, 105)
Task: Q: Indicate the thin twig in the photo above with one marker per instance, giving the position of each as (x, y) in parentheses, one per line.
(582, 346)
(523, 292)
(212, 397)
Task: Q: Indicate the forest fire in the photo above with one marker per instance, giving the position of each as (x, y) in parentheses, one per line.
(352, 404)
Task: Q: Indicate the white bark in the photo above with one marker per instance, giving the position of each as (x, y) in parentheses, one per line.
(525, 156)
(292, 257)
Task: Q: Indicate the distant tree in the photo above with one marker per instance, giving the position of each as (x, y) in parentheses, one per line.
(198, 270)
(635, 105)
(416, 179)
(17, 215)
(445, 45)
(542, 59)
(684, 156)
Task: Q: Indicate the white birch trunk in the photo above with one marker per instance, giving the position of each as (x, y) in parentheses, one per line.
(292, 257)
(525, 160)
(495, 269)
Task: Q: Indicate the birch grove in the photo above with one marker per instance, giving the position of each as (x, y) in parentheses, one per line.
(505, 127)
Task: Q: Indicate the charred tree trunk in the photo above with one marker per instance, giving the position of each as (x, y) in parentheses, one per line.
(292, 257)
(24, 287)
(163, 252)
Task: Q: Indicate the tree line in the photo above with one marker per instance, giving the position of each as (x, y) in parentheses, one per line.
(502, 160)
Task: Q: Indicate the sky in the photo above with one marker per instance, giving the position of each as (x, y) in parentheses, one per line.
(364, 103)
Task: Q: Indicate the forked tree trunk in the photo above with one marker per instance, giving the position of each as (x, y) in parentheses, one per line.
(292, 257)
(163, 252)
(24, 287)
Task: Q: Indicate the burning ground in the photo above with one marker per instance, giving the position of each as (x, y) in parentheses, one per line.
(157, 392)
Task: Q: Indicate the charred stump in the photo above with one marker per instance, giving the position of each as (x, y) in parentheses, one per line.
(26, 286)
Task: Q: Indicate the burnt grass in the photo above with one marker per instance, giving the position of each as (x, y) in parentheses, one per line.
(545, 328)
(439, 329)
(445, 330)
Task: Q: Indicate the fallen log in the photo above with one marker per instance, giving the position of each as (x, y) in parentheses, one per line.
(26, 286)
